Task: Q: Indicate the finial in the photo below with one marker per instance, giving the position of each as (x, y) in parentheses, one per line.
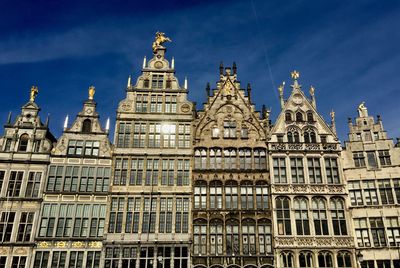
(185, 85)
(108, 124)
(281, 87)
(295, 75)
(9, 118)
(159, 40)
(66, 123)
(172, 63)
(332, 113)
(333, 124)
(234, 68)
(208, 89)
(144, 62)
(129, 82)
(312, 91)
(91, 92)
(47, 120)
(34, 92)
(221, 68)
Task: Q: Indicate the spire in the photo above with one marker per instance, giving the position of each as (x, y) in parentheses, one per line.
(249, 91)
(9, 118)
(208, 89)
(172, 63)
(34, 92)
(234, 68)
(129, 82)
(144, 62)
(221, 68)
(313, 101)
(333, 124)
(108, 125)
(91, 92)
(280, 89)
(66, 122)
(47, 120)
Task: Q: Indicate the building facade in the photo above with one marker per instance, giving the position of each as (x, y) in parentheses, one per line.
(372, 170)
(24, 156)
(70, 229)
(309, 198)
(149, 219)
(232, 206)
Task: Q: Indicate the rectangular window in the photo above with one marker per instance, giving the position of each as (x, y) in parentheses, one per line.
(314, 170)
(370, 194)
(93, 259)
(6, 225)
(296, 167)
(124, 135)
(200, 196)
(156, 103)
(18, 261)
(229, 129)
(384, 158)
(116, 214)
(133, 215)
(385, 192)
(393, 231)
(359, 159)
(33, 185)
(355, 193)
(102, 179)
(15, 183)
(262, 196)
(371, 157)
(167, 173)
(378, 232)
(137, 171)
(168, 135)
(165, 224)
(181, 215)
(396, 183)
(139, 135)
(149, 215)
(152, 172)
(48, 219)
(141, 103)
(154, 135)
(41, 259)
(157, 81)
(260, 161)
(54, 182)
(2, 175)
(25, 226)
(112, 257)
(362, 234)
(279, 170)
(3, 260)
(184, 136)
(332, 170)
(76, 259)
(121, 171)
(170, 104)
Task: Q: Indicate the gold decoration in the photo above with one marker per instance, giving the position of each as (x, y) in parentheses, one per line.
(332, 115)
(295, 75)
(312, 91)
(77, 244)
(43, 244)
(34, 92)
(61, 244)
(92, 90)
(280, 88)
(95, 244)
(159, 40)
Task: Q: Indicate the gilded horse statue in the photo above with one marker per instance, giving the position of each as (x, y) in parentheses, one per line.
(160, 39)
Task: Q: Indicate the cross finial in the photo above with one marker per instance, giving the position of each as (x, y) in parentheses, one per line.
(295, 75)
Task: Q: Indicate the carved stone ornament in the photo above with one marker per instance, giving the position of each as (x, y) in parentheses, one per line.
(297, 99)
(185, 108)
(126, 106)
(158, 65)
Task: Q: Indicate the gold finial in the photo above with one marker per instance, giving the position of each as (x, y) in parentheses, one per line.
(332, 115)
(280, 88)
(295, 75)
(159, 40)
(34, 92)
(91, 92)
(312, 91)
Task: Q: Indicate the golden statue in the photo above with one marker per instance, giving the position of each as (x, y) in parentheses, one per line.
(160, 39)
(91, 92)
(295, 75)
(34, 92)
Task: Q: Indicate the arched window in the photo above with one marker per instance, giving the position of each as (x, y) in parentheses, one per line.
(246, 195)
(338, 217)
(200, 237)
(325, 259)
(232, 237)
(23, 142)
(230, 158)
(215, 195)
(310, 117)
(344, 259)
(288, 117)
(299, 117)
(231, 195)
(87, 126)
(249, 236)
(200, 158)
(293, 135)
(305, 259)
(310, 136)
(215, 158)
(264, 236)
(301, 215)
(286, 259)
(216, 237)
(283, 215)
(200, 195)
(320, 216)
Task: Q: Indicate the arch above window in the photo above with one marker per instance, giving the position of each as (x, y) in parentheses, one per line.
(87, 126)
(310, 117)
(299, 117)
(23, 143)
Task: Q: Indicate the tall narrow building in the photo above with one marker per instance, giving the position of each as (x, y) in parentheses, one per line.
(372, 170)
(232, 209)
(73, 212)
(149, 209)
(24, 156)
(311, 219)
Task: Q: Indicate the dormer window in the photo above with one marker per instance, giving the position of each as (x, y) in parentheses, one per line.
(87, 126)
(146, 83)
(168, 84)
(310, 117)
(229, 129)
(299, 117)
(23, 143)
(288, 117)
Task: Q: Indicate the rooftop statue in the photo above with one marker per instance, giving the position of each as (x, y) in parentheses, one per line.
(159, 40)
(362, 110)
(34, 92)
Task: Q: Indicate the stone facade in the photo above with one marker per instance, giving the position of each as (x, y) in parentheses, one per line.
(221, 187)
(372, 170)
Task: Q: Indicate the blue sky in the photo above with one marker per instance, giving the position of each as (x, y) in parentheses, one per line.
(348, 50)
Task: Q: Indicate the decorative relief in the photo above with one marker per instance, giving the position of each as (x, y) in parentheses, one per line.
(312, 147)
(126, 106)
(281, 188)
(300, 188)
(285, 241)
(158, 65)
(78, 244)
(20, 251)
(317, 188)
(322, 241)
(61, 244)
(43, 244)
(330, 146)
(278, 146)
(305, 241)
(335, 188)
(185, 108)
(3, 251)
(295, 146)
(344, 242)
(95, 244)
